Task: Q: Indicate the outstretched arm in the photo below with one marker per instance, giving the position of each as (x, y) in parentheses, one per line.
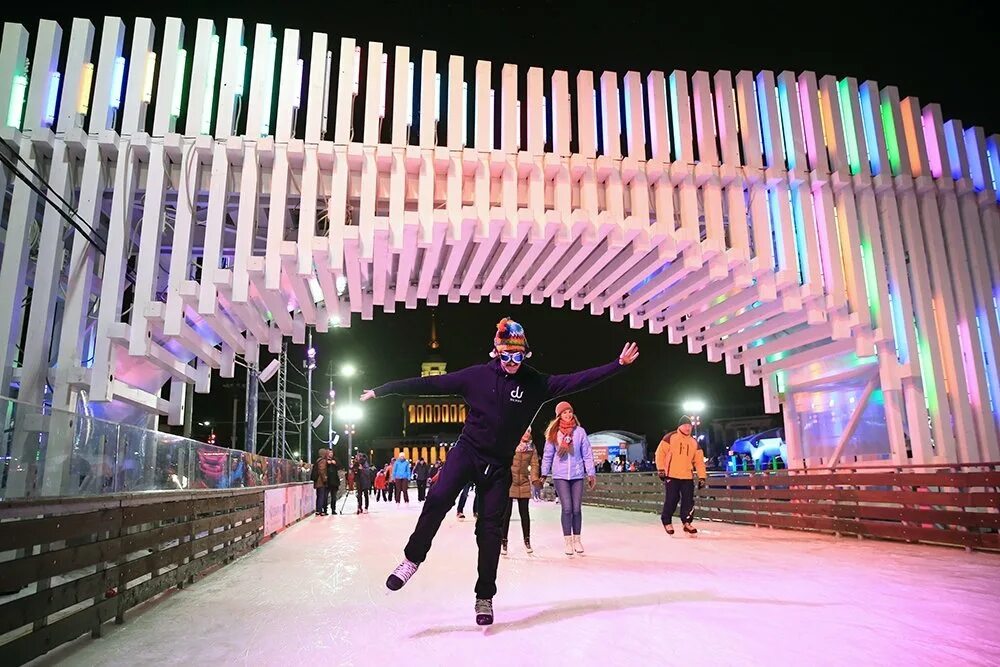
(449, 383)
(560, 385)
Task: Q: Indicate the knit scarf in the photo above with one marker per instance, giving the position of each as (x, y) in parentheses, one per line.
(565, 437)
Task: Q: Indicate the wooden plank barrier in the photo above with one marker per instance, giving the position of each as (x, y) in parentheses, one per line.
(950, 507)
(68, 565)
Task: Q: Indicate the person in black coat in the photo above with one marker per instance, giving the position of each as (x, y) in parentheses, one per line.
(364, 478)
(502, 396)
(332, 481)
(420, 473)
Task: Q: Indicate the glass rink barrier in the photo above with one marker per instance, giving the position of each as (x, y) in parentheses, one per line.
(54, 453)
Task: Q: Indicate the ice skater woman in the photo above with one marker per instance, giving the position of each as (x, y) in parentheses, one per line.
(502, 396)
(524, 476)
(568, 458)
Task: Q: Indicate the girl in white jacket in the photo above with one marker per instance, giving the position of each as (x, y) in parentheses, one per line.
(569, 458)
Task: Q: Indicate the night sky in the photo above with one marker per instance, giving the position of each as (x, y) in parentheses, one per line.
(947, 55)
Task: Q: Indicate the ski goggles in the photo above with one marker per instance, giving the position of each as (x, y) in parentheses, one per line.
(515, 357)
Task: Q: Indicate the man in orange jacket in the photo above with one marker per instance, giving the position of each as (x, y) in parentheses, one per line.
(676, 456)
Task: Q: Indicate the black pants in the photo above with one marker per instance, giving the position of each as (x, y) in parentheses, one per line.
(522, 508)
(674, 490)
(363, 497)
(322, 493)
(403, 489)
(421, 489)
(493, 485)
(462, 498)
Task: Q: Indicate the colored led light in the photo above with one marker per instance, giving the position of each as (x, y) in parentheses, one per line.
(384, 83)
(847, 116)
(117, 77)
(891, 143)
(776, 240)
(868, 122)
(357, 70)
(493, 131)
(871, 289)
(409, 98)
(50, 100)
(675, 117)
(795, 202)
(178, 91)
(16, 108)
(517, 126)
(465, 113)
(545, 116)
(977, 171)
(763, 105)
(241, 70)
(597, 138)
(954, 150)
(147, 82)
(437, 97)
(86, 82)
(784, 110)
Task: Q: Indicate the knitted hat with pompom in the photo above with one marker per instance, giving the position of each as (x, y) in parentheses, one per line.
(510, 336)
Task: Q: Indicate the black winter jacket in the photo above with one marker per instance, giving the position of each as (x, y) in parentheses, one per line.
(501, 405)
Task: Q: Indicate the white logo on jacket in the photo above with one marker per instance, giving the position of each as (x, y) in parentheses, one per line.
(516, 395)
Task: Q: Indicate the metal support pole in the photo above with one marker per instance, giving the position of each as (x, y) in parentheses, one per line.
(309, 403)
(250, 441)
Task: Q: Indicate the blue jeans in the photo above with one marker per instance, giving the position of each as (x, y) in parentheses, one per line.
(571, 500)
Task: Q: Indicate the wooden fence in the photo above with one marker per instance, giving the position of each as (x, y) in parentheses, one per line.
(68, 565)
(951, 506)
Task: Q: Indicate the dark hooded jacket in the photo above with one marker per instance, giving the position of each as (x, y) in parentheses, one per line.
(501, 405)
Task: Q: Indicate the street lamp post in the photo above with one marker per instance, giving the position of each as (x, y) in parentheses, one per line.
(693, 408)
(350, 414)
(310, 366)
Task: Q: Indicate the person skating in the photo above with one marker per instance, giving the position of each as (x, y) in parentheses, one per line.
(379, 484)
(401, 475)
(364, 477)
(568, 458)
(420, 473)
(524, 476)
(332, 480)
(677, 454)
(502, 397)
(319, 480)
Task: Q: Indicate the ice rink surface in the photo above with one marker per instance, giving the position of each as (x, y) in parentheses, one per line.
(734, 595)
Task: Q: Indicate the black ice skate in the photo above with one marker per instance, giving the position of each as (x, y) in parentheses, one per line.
(690, 530)
(401, 575)
(670, 529)
(484, 611)
(503, 548)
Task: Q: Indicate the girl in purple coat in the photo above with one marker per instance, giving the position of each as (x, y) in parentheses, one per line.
(568, 458)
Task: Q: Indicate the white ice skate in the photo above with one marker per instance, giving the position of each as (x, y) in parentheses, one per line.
(577, 544)
(569, 545)
(401, 575)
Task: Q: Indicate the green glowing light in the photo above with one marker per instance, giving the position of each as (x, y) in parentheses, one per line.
(871, 289)
(17, 94)
(891, 143)
(853, 159)
(926, 372)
